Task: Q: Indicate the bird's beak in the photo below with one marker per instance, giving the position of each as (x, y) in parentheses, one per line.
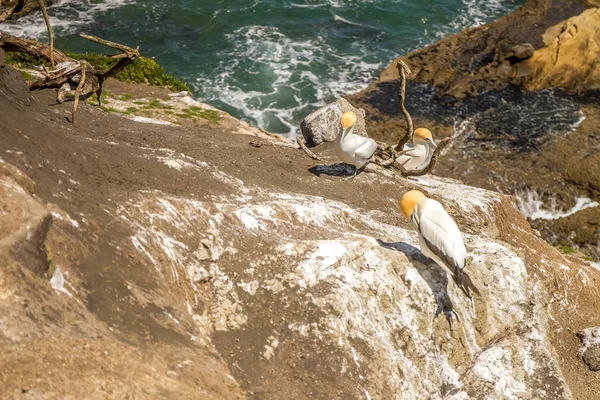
(431, 142)
(414, 218)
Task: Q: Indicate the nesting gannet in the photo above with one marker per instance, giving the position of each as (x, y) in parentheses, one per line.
(418, 153)
(350, 148)
(439, 237)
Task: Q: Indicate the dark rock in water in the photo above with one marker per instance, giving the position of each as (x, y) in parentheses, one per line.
(323, 124)
(2, 59)
(523, 51)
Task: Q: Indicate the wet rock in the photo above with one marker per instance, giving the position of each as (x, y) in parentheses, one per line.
(2, 58)
(523, 51)
(323, 124)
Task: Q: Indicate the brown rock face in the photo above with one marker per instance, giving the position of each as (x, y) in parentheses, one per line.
(481, 59)
(478, 76)
(570, 57)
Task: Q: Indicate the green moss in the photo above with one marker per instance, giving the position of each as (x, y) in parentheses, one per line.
(185, 115)
(587, 258)
(21, 60)
(125, 97)
(210, 115)
(27, 76)
(142, 70)
(131, 109)
(566, 249)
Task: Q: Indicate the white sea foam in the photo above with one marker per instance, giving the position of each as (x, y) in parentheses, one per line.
(285, 66)
(66, 16)
(531, 205)
(476, 13)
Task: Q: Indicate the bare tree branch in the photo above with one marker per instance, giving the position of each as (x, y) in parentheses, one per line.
(9, 12)
(306, 150)
(403, 70)
(31, 47)
(49, 28)
(78, 92)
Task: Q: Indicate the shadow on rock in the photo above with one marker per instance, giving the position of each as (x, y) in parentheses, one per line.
(433, 274)
(340, 169)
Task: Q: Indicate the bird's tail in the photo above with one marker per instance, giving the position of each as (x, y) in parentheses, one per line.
(464, 282)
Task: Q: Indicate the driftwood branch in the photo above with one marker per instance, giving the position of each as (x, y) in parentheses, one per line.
(90, 81)
(6, 14)
(30, 47)
(49, 28)
(306, 150)
(403, 70)
(78, 91)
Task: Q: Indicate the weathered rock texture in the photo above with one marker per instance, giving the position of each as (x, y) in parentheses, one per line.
(323, 125)
(186, 263)
(570, 57)
(464, 80)
(590, 347)
(491, 56)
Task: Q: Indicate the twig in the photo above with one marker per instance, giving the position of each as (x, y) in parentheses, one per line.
(118, 46)
(403, 70)
(306, 150)
(78, 92)
(9, 12)
(434, 157)
(31, 47)
(49, 27)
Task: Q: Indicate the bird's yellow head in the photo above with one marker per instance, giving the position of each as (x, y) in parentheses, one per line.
(423, 133)
(348, 119)
(409, 201)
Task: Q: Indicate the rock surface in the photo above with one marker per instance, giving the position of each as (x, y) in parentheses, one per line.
(185, 262)
(481, 59)
(570, 58)
(323, 125)
(473, 87)
(590, 347)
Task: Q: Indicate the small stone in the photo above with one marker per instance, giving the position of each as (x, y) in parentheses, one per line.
(591, 357)
(198, 274)
(523, 51)
(323, 124)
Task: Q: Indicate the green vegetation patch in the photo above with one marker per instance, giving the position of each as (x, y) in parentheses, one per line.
(142, 70)
(199, 112)
(567, 249)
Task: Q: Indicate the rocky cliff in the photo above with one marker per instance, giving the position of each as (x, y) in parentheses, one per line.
(518, 96)
(152, 260)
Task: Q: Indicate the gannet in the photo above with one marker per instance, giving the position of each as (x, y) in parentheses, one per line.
(439, 237)
(350, 148)
(418, 153)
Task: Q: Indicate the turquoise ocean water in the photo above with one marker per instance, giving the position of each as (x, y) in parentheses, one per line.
(269, 62)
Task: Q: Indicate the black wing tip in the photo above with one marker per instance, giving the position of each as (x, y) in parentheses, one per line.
(464, 282)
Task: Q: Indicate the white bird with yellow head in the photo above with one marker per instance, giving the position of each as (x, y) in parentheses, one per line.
(439, 236)
(353, 149)
(417, 155)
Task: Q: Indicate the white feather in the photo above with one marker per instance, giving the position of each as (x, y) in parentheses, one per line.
(417, 158)
(354, 149)
(441, 232)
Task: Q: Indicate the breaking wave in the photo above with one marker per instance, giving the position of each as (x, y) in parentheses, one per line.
(532, 206)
